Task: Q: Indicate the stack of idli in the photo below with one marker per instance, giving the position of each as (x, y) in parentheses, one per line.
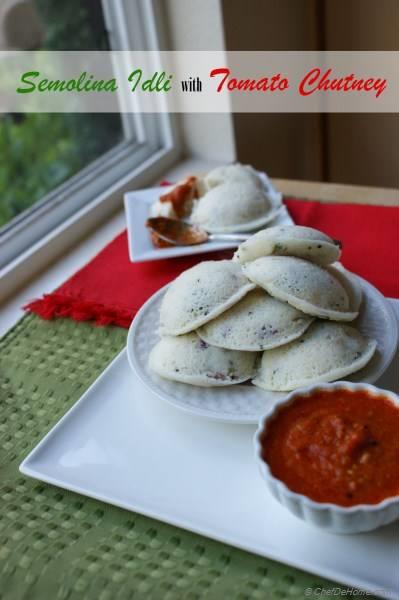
(231, 198)
(196, 297)
(277, 314)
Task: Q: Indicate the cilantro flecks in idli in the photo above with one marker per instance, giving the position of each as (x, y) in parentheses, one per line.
(257, 322)
(290, 240)
(188, 359)
(232, 206)
(326, 352)
(304, 285)
(201, 294)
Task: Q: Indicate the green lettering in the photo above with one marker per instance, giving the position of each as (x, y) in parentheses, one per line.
(158, 87)
(168, 84)
(42, 87)
(149, 85)
(136, 74)
(25, 79)
(55, 86)
(82, 85)
(111, 86)
(97, 86)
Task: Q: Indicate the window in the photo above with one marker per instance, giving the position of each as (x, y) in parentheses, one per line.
(53, 165)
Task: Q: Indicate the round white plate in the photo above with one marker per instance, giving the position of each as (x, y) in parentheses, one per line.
(245, 404)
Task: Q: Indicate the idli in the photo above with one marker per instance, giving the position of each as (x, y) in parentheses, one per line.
(232, 173)
(189, 359)
(232, 206)
(290, 240)
(304, 285)
(257, 322)
(351, 284)
(326, 352)
(201, 294)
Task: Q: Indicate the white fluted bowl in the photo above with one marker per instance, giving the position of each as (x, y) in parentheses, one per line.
(330, 517)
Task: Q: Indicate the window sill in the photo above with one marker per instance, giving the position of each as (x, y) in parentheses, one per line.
(63, 268)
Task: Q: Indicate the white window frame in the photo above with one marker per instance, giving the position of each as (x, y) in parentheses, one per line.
(65, 215)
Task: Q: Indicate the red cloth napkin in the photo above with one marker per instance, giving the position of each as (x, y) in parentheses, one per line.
(110, 289)
(370, 237)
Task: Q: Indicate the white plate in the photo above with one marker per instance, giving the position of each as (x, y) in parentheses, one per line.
(246, 403)
(137, 209)
(122, 445)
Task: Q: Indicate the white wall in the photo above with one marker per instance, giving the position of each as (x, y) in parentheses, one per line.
(198, 25)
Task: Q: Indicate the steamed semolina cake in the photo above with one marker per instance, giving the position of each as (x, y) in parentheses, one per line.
(257, 322)
(201, 294)
(290, 240)
(188, 359)
(304, 285)
(351, 284)
(232, 173)
(231, 206)
(326, 352)
(179, 201)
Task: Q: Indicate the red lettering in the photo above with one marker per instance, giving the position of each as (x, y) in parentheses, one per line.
(324, 81)
(315, 81)
(348, 82)
(246, 84)
(279, 83)
(263, 84)
(222, 71)
(369, 84)
(232, 84)
(380, 86)
(310, 78)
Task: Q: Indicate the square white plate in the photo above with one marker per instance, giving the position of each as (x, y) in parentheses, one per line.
(137, 209)
(123, 445)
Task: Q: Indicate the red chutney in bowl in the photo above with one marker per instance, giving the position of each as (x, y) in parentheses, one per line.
(337, 446)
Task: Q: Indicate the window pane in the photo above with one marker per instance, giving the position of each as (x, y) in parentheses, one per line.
(38, 152)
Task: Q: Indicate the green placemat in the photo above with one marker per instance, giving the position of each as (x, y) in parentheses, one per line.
(59, 545)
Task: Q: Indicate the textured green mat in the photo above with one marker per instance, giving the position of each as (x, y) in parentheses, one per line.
(58, 545)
